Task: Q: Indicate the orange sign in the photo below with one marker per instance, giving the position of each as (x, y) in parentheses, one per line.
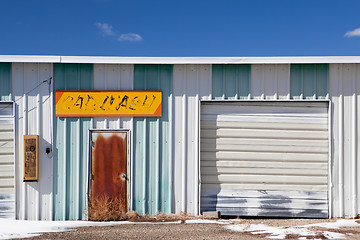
(108, 103)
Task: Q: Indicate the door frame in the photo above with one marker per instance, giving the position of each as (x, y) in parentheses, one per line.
(128, 163)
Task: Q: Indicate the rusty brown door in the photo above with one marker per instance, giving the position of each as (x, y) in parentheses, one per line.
(108, 178)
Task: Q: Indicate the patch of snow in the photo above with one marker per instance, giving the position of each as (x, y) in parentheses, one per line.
(336, 225)
(274, 232)
(206, 221)
(23, 229)
(333, 235)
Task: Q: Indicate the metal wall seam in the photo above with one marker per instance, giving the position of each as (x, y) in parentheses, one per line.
(270, 82)
(191, 83)
(153, 144)
(116, 77)
(344, 90)
(71, 144)
(33, 101)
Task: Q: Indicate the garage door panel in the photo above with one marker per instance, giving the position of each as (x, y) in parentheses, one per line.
(264, 119)
(259, 125)
(274, 171)
(265, 134)
(262, 164)
(262, 142)
(265, 186)
(271, 212)
(266, 179)
(272, 108)
(249, 149)
(228, 193)
(260, 156)
(263, 148)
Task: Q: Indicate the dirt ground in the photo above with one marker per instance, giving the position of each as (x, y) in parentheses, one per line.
(197, 230)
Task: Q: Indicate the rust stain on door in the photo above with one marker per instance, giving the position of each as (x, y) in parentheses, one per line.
(108, 174)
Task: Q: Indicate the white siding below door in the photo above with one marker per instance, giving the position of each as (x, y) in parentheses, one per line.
(265, 158)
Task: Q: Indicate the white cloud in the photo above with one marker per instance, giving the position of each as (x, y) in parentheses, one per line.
(105, 29)
(354, 33)
(130, 37)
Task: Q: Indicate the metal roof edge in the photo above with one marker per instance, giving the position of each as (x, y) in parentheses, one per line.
(179, 60)
(30, 58)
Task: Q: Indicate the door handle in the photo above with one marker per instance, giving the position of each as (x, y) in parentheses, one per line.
(123, 176)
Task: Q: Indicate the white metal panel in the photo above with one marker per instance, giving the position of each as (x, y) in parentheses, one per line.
(270, 81)
(344, 91)
(33, 101)
(191, 83)
(232, 150)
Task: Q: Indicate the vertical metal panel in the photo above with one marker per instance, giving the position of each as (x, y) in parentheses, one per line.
(71, 146)
(33, 105)
(113, 77)
(231, 81)
(191, 83)
(270, 81)
(309, 81)
(153, 144)
(344, 90)
(5, 82)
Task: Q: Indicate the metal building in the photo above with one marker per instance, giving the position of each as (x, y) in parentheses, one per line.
(269, 136)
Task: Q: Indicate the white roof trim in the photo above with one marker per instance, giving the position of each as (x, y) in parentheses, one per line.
(30, 58)
(178, 60)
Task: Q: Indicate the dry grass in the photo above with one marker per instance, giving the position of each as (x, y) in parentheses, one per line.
(106, 209)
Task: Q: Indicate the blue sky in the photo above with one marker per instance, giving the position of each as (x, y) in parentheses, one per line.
(180, 28)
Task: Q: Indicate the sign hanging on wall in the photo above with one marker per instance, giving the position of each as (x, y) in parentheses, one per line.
(108, 103)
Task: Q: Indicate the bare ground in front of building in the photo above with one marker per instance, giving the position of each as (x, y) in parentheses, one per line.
(162, 229)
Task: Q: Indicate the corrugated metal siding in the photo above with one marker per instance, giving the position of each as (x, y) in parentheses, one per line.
(152, 168)
(33, 107)
(71, 146)
(344, 90)
(113, 77)
(252, 147)
(191, 83)
(231, 81)
(7, 160)
(309, 81)
(270, 81)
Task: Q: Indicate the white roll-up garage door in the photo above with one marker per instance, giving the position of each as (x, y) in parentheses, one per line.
(7, 179)
(265, 158)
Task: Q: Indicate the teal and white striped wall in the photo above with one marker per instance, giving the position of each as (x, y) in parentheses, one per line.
(165, 151)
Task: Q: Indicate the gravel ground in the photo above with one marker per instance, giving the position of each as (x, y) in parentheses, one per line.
(195, 231)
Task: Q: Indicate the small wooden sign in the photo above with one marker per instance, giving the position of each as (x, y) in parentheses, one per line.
(108, 103)
(31, 157)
